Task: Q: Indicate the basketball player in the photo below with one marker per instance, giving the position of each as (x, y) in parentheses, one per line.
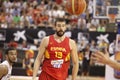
(105, 59)
(6, 66)
(56, 50)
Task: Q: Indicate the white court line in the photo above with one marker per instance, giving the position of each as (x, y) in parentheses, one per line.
(78, 78)
(21, 78)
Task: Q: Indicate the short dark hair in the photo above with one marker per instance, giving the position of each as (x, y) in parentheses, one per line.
(59, 20)
(9, 49)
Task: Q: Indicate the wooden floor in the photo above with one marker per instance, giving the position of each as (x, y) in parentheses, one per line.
(69, 78)
(88, 78)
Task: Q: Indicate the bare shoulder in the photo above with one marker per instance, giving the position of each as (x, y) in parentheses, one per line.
(45, 41)
(45, 38)
(3, 69)
(72, 43)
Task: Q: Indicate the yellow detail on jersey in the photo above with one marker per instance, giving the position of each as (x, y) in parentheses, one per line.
(47, 55)
(58, 54)
(67, 57)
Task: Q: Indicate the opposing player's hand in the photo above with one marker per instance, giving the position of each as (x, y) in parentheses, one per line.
(100, 57)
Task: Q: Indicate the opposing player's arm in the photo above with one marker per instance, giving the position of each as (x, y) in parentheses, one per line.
(40, 55)
(74, 57)
(104, 58)
(3, 70)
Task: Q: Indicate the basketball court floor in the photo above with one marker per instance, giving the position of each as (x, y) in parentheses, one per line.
(69, 78)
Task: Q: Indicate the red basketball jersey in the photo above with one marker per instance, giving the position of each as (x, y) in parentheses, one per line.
(57, 58)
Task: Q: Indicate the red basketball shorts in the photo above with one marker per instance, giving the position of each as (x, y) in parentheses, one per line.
(45, 76)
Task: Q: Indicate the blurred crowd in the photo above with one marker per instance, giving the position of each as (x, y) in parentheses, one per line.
(42, 13)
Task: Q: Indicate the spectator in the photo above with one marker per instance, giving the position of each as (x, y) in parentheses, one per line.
(12, 43)
(93, 46)
(2, 17)
(102, 26)
(9, 19)
(86, 61)
(90, 9)
(101, 29)
(16, 20)
(95, 22)
(30, 20)
(23, 20)
(82, 24)
(112, 47)
(16, 11)
(28, 61)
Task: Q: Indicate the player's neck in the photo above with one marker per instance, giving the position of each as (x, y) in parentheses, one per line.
(10, 62)
(58, 38)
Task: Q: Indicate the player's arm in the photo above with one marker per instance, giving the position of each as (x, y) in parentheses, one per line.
(114, 64)
(3, 70)
(74, 57)
(104, 58)
(39, 57)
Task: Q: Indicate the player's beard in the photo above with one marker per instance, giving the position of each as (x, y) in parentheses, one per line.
(60, 33)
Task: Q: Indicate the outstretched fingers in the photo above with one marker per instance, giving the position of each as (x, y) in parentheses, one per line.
(97, 57)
